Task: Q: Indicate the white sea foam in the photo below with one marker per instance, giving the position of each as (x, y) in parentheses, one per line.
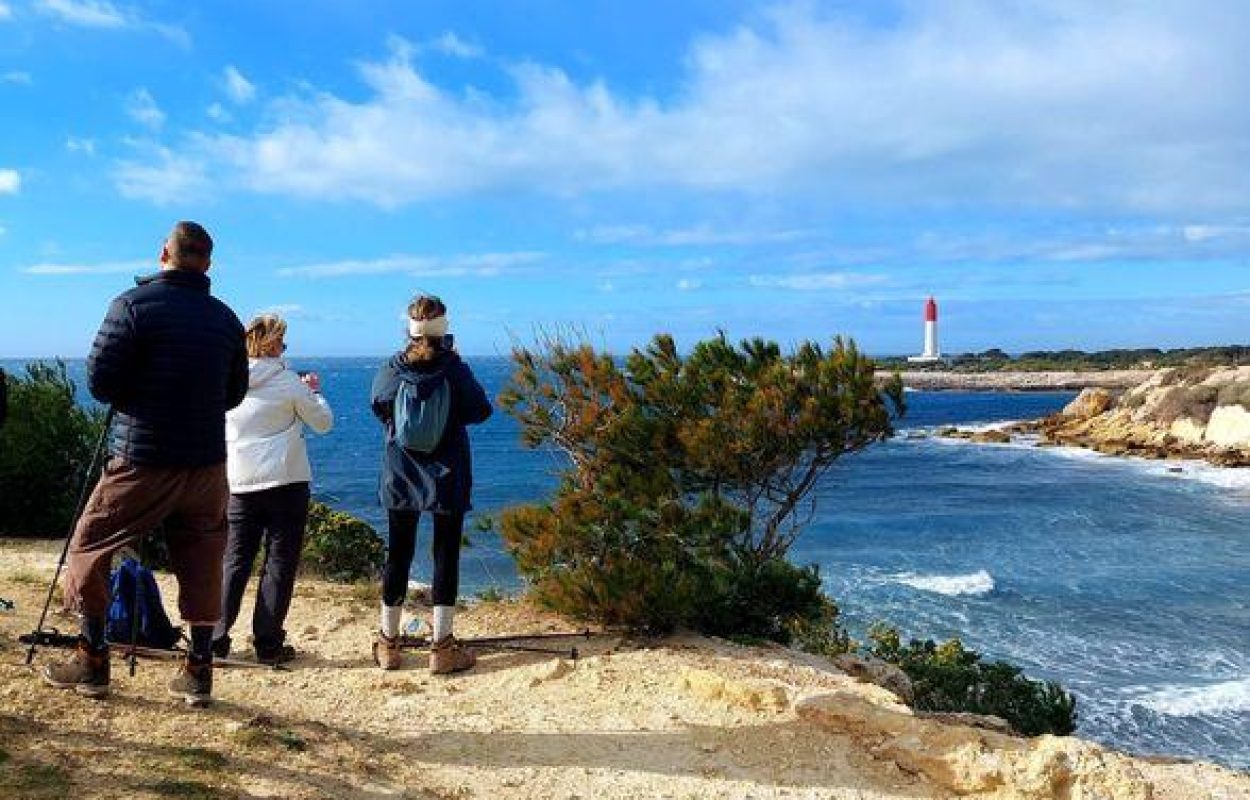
(971, 427)
(976, 583)
(1230, 478)
(1192, 701)
(1236, 481)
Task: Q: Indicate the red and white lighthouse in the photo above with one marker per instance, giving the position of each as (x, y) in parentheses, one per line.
(931, 352)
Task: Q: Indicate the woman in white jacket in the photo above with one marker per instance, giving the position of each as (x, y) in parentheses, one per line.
(267, 464)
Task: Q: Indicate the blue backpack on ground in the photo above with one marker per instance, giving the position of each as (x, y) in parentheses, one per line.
(135, 594)
(420, 421)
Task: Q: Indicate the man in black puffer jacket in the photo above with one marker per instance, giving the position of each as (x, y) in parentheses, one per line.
(171, 360)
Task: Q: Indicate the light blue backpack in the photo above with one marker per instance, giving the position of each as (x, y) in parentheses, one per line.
(420, 422)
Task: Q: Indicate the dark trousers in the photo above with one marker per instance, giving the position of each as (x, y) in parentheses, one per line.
(448, 531)
(131, 500)
(275, 518)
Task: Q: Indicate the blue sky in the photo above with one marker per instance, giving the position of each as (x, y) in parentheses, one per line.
(1061, 174)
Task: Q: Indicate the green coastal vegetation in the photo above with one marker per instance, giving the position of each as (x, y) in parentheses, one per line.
(688, 478)
(996, 360)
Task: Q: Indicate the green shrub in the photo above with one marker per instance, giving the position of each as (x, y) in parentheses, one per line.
(340, 547)
(45, 450)
(773, 600)
(949, 677)
(688, 478)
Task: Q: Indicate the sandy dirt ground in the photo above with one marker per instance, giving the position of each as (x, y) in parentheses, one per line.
(685, 717)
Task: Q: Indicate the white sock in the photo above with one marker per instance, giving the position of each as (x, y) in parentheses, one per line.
(390, 620)
(444, 617)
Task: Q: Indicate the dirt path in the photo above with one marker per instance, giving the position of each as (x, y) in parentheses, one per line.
(685, 718)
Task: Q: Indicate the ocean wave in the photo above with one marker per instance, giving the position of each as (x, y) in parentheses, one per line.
(979, 426)
(976, 583)
(1193, 701)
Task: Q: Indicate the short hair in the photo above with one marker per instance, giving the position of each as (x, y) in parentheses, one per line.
(262, 333)
(190, 245)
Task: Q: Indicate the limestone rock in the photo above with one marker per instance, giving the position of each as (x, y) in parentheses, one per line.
(1229, 427)
(965, 760)
(983, 721)
(755, 695)
(852, 712)
(991, 437)
(551, 671)
(1187, 431)
(878, 672)
(1089, 403)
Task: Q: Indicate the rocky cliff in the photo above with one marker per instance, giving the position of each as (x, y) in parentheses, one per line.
(1175, 413)
(682, 717)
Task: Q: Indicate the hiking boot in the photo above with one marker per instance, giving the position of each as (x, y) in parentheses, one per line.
(448, 655)
(86, 671)
(386, 651)
(193, 683)
(273, 656)
(221, 647)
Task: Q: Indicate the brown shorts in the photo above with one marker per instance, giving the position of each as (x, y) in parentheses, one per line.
(130, 501)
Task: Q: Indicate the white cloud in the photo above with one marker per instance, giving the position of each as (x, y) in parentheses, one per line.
(17, 77)
(1205, 233)
(104, 268)
(471, 265)
(979, 104)
(75, 144)
(816, 281)
(688, 285)
(6, 12)
(104, 15)
(218, 112)
(10, 181)
(142, 108)
(85, 13)
(449, 44)
(700, 236)
(237, 87)
(162, 176)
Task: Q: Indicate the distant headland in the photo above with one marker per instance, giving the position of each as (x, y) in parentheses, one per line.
(1055, 370)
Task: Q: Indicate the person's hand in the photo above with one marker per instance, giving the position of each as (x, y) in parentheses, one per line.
(312, 380)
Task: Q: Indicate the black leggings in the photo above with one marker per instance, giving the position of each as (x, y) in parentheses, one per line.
(448, 531)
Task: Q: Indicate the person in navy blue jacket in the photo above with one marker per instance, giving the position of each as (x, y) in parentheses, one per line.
(439, 482)
(171, 360)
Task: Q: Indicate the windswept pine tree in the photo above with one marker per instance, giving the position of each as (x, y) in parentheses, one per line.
(688, 478)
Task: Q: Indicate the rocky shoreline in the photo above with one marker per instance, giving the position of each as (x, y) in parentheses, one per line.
(1175, 414)
(1020, 381)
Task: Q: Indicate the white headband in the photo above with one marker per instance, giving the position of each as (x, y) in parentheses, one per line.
(428, 327)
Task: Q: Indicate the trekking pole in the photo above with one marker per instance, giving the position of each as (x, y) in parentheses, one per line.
(136, 604)
(82, 504)
(517, 637)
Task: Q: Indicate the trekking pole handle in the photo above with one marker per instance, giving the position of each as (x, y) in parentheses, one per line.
(83, 494)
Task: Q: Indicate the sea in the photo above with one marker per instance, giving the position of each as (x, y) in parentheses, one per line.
(1127, 581)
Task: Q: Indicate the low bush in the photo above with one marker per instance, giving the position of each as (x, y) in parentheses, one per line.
(1187, 402)
(774, 600)
(1234, 394)
(340, 547)
(949, 677)
(46, 446)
